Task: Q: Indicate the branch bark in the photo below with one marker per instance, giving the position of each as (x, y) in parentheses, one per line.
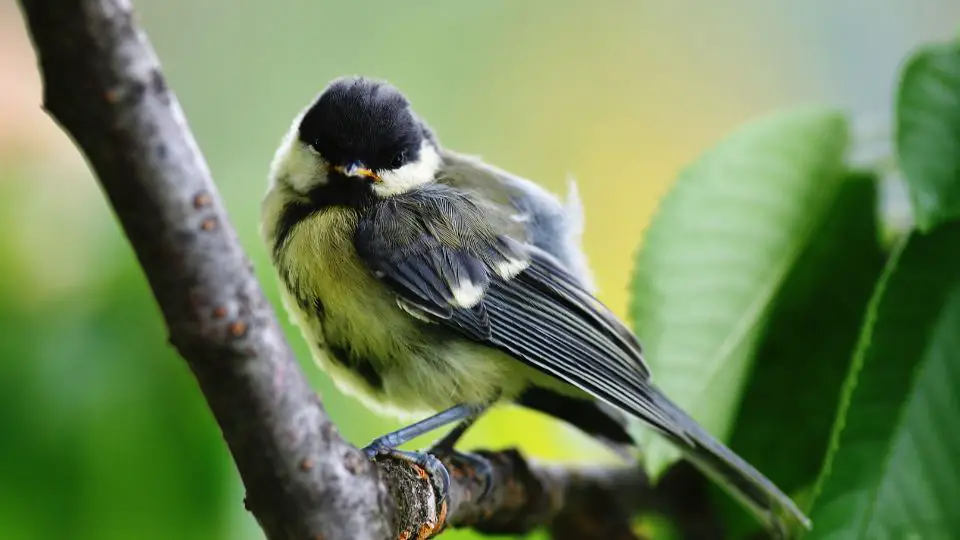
(103, 84)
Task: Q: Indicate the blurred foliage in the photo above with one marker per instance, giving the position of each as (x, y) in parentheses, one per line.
(890, 468)
(928, 133)
(103, 433)
(814, 324)
(718, 250)
(84, 398)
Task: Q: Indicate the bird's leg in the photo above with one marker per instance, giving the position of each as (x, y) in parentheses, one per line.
(447, 442)
(439, 476)
(385, 443)
(445, 448)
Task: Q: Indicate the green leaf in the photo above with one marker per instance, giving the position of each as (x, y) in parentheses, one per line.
(893, 470)
(928, 133)
(807, 347)
(717, 252)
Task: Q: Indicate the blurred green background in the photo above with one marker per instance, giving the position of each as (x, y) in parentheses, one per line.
(103, 434)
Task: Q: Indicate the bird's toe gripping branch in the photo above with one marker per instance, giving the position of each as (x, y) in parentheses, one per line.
(473, 475)
(431, 514)
(427, 466)
(474, 466)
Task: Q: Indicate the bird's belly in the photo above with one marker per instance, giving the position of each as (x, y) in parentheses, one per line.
(370, 348)
(400, 370)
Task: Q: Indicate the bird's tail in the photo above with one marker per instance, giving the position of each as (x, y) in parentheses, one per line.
(774, 508)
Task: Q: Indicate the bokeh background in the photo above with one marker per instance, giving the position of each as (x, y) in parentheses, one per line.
(103, 433)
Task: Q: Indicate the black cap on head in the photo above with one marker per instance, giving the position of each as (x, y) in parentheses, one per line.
(362, 120)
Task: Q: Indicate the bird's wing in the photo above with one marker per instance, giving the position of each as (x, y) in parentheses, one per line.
(552, 225)
(440, 251)
(449, 265)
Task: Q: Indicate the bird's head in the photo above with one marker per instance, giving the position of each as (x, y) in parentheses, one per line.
(359, 136)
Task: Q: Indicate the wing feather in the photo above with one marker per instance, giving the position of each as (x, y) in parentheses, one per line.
(448, 264)
(543, 331)
(451, 265)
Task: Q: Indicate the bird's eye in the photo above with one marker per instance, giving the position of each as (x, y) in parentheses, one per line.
(399, 159)
(314, 147)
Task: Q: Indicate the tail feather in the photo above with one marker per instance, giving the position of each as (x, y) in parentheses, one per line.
(745, 483)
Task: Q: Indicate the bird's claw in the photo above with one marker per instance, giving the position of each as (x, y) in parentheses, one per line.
(439, 476)
(478, 464)
(484, 471)
(436, 471)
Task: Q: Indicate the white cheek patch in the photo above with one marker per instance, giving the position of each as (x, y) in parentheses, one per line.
(296, 162)
(411, 175)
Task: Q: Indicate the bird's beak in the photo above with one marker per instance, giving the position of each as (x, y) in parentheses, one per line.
(357, 170)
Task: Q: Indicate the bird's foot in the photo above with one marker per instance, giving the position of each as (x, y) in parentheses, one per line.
(428, 467)
(474, 465)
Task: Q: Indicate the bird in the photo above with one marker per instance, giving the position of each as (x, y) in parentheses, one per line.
(429, 284)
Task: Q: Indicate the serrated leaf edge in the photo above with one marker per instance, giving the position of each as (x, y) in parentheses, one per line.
(859, 359)
(754, 312)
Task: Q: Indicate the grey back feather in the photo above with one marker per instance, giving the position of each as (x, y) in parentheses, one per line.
(553, 226)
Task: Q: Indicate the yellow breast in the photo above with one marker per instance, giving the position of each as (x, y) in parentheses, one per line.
(420, 372)
(320, 263)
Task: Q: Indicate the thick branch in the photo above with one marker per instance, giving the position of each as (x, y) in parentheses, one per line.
(102, 83)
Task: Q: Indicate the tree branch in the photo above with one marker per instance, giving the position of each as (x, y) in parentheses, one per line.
(103, 84)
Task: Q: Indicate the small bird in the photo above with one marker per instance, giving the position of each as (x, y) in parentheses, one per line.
(425, 280)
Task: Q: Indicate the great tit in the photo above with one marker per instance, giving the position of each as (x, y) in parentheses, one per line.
(425, 280)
